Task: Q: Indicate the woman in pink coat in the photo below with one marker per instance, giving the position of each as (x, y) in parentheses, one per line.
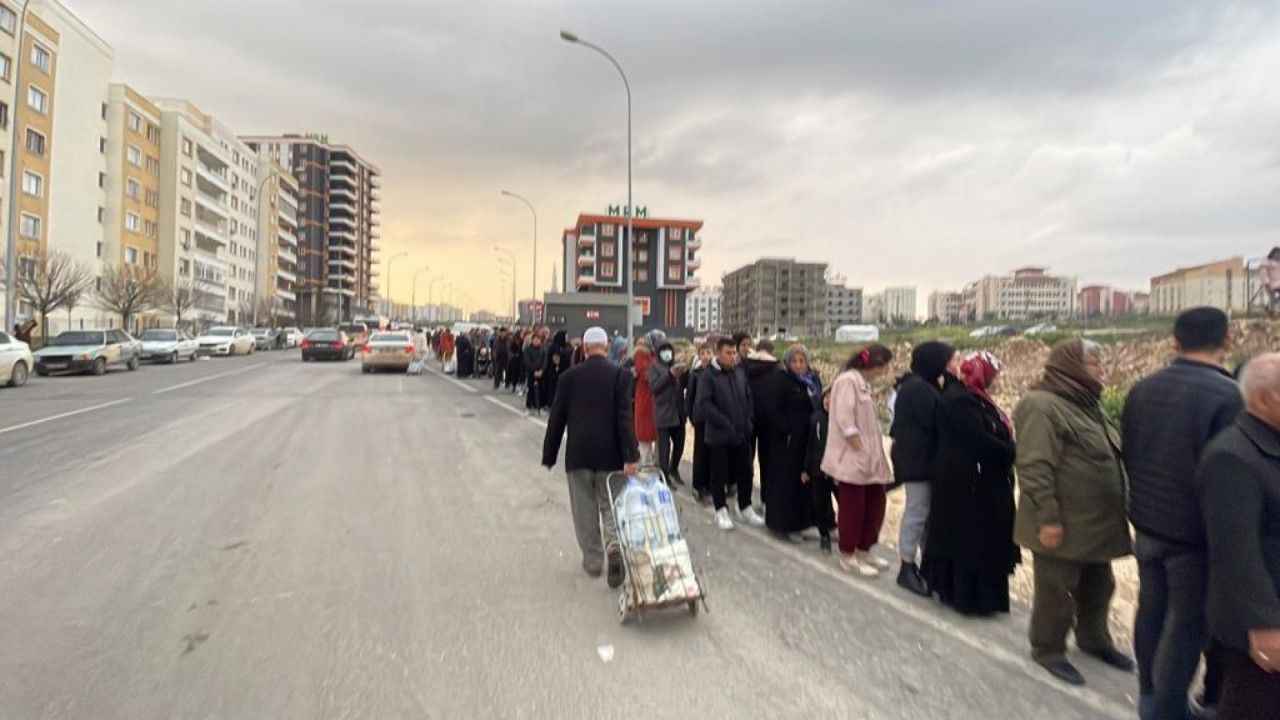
(856, 460)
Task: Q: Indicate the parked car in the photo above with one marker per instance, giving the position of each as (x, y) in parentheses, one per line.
(326, 344)
(267, 339)
(15, 361)
(390, 350)
(88, 351)
(166, 345)
(226, 341)
(1041, 329)
(357, 334)
(292, 337)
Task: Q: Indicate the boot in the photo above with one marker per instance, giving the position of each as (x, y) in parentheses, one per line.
(910, 579)
(824, 542)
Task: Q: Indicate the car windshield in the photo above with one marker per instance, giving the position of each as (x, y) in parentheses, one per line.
(389, 338)
(323, 335)
(222, 332)
(79, 337)
(261, 332)
(160, 335)
(354, 329)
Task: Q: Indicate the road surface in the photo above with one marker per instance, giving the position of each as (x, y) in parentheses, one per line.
(263, 538)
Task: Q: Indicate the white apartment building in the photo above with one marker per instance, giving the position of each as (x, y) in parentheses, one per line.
(899, 305)
(702, 310)
(278, 244)
(1222, 284)
(946, 307)
(873, 308)
(1029, 293)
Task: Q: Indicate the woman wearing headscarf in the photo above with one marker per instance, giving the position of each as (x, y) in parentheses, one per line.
(466, 356)
(646, 427)
(559, 357)
(515, 366)
(969, 553)
(787, 496)
(915, 444)
(1071, 509)
(667, 380)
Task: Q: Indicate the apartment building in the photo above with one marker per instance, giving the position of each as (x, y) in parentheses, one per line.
(946, 307)
(900, 305)
(1104, 301)
(873, 308)
(664, 259)
(844, 306)
(702, 310)
(131, 215)
(339, 217)
(278, 243)
(776, 296)
(1223, 284)
(1029, 293)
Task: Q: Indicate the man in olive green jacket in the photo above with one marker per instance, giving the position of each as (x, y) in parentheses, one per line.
(1071, 510)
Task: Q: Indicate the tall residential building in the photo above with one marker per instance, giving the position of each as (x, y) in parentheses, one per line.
(278, 244)
(776, 296)
(946, 307)
(702, 310)
(1029, 293)
(1223, 284)
(667, 256)
(338, 223)
(873, 308)
(844, 306)
(1103, 301)
(131, 217)
(900, 305)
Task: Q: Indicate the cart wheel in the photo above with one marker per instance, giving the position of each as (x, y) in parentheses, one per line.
(693, 608)
(623, 614)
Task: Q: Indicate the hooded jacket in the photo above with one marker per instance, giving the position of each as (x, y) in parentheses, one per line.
(668, 391)
(724, 406)
(768, 383)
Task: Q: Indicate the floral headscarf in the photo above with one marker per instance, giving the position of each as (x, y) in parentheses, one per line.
(980, 370)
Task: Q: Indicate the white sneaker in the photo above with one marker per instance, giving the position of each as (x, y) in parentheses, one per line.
(750, 517)
(868, 559)
(722, 519)
(853, 564)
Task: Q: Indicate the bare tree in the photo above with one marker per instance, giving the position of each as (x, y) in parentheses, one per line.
(49, 281)
(269, 308)
(182, 296)
(128, 290)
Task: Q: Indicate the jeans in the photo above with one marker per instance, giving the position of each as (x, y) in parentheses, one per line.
(730, 464)
(914, 518)
(1068, 592)
(589, 504)
(1170, 630)
(860, 516)
(670, 450)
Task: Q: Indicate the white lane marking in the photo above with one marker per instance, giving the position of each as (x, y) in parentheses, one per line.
(1093, 699)
(453, 380)
(515, 410)
(197, 381)
(59, 416)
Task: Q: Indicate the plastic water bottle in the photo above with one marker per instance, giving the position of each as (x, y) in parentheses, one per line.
(664, 505)
(635, 509)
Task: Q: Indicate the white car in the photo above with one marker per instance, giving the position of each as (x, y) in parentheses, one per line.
(15, 361)
(168, 345)
(226, 341)
(292, 337)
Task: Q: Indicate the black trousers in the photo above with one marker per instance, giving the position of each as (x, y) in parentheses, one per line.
(533, 392)
(1248, 691)
(499, 372)
(701, 463)
(824, 512)
(670, 450)
(730, 465)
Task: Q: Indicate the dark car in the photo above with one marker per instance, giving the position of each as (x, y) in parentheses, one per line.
(326, 344)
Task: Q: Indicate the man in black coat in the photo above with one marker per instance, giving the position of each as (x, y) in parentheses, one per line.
(724, 407)
(1169, 419)
(701, 465)
(535, 360)
(593, 402)
(1238, 482)
(501, 357)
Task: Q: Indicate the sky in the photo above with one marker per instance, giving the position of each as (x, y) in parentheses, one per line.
(904, 143)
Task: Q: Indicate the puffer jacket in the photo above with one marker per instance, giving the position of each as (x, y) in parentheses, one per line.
(668, 392)
(915, 429)
(724, 406)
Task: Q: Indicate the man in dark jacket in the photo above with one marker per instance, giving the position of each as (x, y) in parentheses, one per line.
(724, 406)
(501, 357)
(666, 382)
(535, 358)
(767, 379)
(915, 447)
(593, 402)
(701, 466)
(1169, 419)
(1238, 483)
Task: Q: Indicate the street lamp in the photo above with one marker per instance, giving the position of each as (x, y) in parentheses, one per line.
(511, 258)
(574, 39)
(533, 288)
(11, 237)
(391, 302)
(424, 268)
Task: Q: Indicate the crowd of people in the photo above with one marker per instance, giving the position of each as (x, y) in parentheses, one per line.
(1189, 481)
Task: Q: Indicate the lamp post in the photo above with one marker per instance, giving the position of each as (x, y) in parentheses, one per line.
(11, 235)
(511, 258)
(391, 303)
(574, 39)
(424, 268)
(533, 289)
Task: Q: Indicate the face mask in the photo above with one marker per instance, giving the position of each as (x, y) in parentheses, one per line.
(665, 355)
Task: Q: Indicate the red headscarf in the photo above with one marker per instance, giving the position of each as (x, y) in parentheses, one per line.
(980, 370)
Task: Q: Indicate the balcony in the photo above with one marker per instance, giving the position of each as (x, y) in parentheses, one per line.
(693, 282)
(213, 205)
(287, 276)
(339, 290)
(287, 254)
(340, 194)
(345, 222)
(337, 249)
(694, 243)
(693, 263)
(342, 207)
(375, 179)
(287, 237)
(286, 295)
(207, 177)
(287, 216)
(336, 261)
(340, 276)
(342, 167)
(211, 229)
(586, 241)
(343, 235)
(212, 159)
(586, 281)
(586, 260)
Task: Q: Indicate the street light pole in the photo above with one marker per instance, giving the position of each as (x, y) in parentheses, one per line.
(391, 302)
(630, 250)
(11, 234)
(512, 259)
(533, 289)
(424, 268)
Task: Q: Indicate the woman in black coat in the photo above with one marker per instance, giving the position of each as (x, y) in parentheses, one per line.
(794, 394)
(969, 551)
(559, 359)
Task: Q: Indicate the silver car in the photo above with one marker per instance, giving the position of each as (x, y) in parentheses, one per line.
(161, 345)
(15, 361)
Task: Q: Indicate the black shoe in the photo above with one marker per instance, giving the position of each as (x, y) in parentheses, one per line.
(591, 567)
(1114, 658)
(676, 480)
(615, 567)
(1063, 670)
(824, 543)
(910, 579)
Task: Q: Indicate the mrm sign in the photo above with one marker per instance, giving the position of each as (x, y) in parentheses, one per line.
(624, 211)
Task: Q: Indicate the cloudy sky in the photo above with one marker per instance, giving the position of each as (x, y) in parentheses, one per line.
(921, 143)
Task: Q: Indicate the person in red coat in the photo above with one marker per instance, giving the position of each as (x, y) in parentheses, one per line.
(646, 427)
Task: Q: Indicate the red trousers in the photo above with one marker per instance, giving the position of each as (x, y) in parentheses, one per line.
(861, 516)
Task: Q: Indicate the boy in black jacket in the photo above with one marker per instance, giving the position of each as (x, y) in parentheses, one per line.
(724, 406)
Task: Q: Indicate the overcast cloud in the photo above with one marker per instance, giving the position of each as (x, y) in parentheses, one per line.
(904, 143)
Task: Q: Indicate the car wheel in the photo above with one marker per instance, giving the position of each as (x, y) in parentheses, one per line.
(18, 375)
(132, 364)
(99, 366)
(193, 357)
(173, 359)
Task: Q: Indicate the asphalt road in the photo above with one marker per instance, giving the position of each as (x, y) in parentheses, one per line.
(262, 538)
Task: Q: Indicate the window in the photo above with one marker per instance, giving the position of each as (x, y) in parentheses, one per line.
(186, 239)
(185, 207)
(186, 147)
(104, 111)
(8, 20)
(99, 249)
(134, 156)
(153, 166)
(675, 254)
(153, 199)
(40, 57)
(606, 249)
(606, 269)
(102, 179)
(186, 177)
(37, 99)
(673, 273)
(606, 230)
(6, 65)
(184, 267)
(30, 227)
(150, 229)
(676, 233)
(32, 183)
(642, 274)
(102, 145)
(102, 213)
(133, 188)
(131, 255)
(135, 121)
(132, 222)
(4, 116)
